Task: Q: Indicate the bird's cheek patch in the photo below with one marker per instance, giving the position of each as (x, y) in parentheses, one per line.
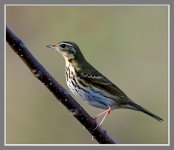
(70, 56)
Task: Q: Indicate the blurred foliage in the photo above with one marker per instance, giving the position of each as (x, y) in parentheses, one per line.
(127, 44)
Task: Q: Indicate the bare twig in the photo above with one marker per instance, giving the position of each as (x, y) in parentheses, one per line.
(59, 92)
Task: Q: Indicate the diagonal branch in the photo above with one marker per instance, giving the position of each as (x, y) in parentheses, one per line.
(59, 92)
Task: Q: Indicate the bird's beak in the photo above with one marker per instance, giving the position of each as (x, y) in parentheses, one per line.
(52, 46)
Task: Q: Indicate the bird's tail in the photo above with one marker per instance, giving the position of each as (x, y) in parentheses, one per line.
(140, 108)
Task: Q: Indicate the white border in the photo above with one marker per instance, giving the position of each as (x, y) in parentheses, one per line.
(168, 5)
(5, 75)
(86, 5)
(169, 74)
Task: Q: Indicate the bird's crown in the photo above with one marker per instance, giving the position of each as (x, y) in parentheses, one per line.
(68, 45)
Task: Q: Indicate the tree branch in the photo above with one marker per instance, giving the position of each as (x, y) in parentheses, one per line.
(59, 92)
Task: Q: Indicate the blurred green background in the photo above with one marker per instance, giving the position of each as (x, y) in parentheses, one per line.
(127, 44)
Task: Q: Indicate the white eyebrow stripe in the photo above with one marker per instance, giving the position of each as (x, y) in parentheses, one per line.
(71, 45)
(67, 44)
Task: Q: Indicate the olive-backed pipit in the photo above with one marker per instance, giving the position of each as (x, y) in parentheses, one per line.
(90, 85)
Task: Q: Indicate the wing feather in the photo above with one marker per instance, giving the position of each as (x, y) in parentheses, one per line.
(93, 77)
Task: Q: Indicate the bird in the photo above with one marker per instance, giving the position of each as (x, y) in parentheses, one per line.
(88, 84)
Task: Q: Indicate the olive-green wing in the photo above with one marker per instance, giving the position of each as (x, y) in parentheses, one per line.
(99, 81)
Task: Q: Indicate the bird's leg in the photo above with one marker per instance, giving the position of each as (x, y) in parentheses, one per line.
(98, 115)
(103, 112)
(106, 113)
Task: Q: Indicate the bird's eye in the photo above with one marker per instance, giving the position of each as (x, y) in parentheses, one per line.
(63, 45)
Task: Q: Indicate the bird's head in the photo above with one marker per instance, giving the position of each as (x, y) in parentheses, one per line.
(70, 51)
